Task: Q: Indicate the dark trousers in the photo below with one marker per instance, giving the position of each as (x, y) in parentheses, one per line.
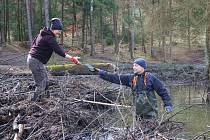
(39, 73)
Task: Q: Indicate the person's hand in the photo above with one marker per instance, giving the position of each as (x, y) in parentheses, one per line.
(74, 60)
(91, 68)
(168, 109)
(112, 67)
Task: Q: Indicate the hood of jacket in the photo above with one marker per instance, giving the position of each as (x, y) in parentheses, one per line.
(46, 31)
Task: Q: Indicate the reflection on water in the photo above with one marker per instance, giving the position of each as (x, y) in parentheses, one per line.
(195, 118)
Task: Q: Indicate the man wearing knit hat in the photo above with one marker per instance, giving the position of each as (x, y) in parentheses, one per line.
(144, 85)
(41, 50)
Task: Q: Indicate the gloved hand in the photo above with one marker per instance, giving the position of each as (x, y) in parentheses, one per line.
(112, 67)
(91, 68)
(74, 60)
(168, 109)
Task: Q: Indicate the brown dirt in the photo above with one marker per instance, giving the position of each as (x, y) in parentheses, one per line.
(16, 55)
(186, 56)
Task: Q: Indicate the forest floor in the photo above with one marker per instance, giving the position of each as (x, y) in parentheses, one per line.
(16, 55)
(13, 57)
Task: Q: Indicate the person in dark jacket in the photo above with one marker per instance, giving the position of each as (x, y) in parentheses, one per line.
(41, 50)
(144, 85)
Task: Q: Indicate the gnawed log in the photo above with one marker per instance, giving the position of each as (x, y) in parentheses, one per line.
(60, 70)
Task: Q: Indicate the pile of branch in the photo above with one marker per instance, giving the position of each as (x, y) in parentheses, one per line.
(150, 129)
(76, 107)
(55, 117)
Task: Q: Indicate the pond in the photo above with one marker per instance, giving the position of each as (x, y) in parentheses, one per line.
(197, 117)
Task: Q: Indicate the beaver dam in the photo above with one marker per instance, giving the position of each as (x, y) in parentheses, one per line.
(85, 107)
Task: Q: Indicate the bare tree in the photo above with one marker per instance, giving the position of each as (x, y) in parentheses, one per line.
(131, 28)
(92, 33)
(142, 31)
(18, 20)
(62, 17)
(114, 17)
(74, 27)
(4, 29)
(152, 31)
(83, 25)
(7, 21)
(163, 28)
(208, 52)
(188, 29)
(46, 12)
(1, 30)
(102, 30)
(29, 20)
(170, 30)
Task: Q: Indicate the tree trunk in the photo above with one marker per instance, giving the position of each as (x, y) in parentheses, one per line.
(208, 54)
(132, 33)
(92, 34)
(152, 32)
(22, 22)
(83, 25)
(75, 18)
(188, 29)
(74, 23)
(1, 40)
(33, 13)
(142, 32)
(164, 47)
(116, 42)
(163, 29)
(62, 18)
(46, 12)
(29, 21)
(18, 21)
(171, 28)
(208, 58)
(7, 21)
(102, 30)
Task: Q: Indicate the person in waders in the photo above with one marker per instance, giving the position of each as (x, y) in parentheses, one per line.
(144, 85)
(41, 50)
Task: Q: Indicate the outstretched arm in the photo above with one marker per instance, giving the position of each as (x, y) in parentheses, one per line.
(60, 51)
(123, 79)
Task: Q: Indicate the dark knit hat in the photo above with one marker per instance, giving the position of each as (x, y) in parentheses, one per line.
(141, 62)
(56, 24)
